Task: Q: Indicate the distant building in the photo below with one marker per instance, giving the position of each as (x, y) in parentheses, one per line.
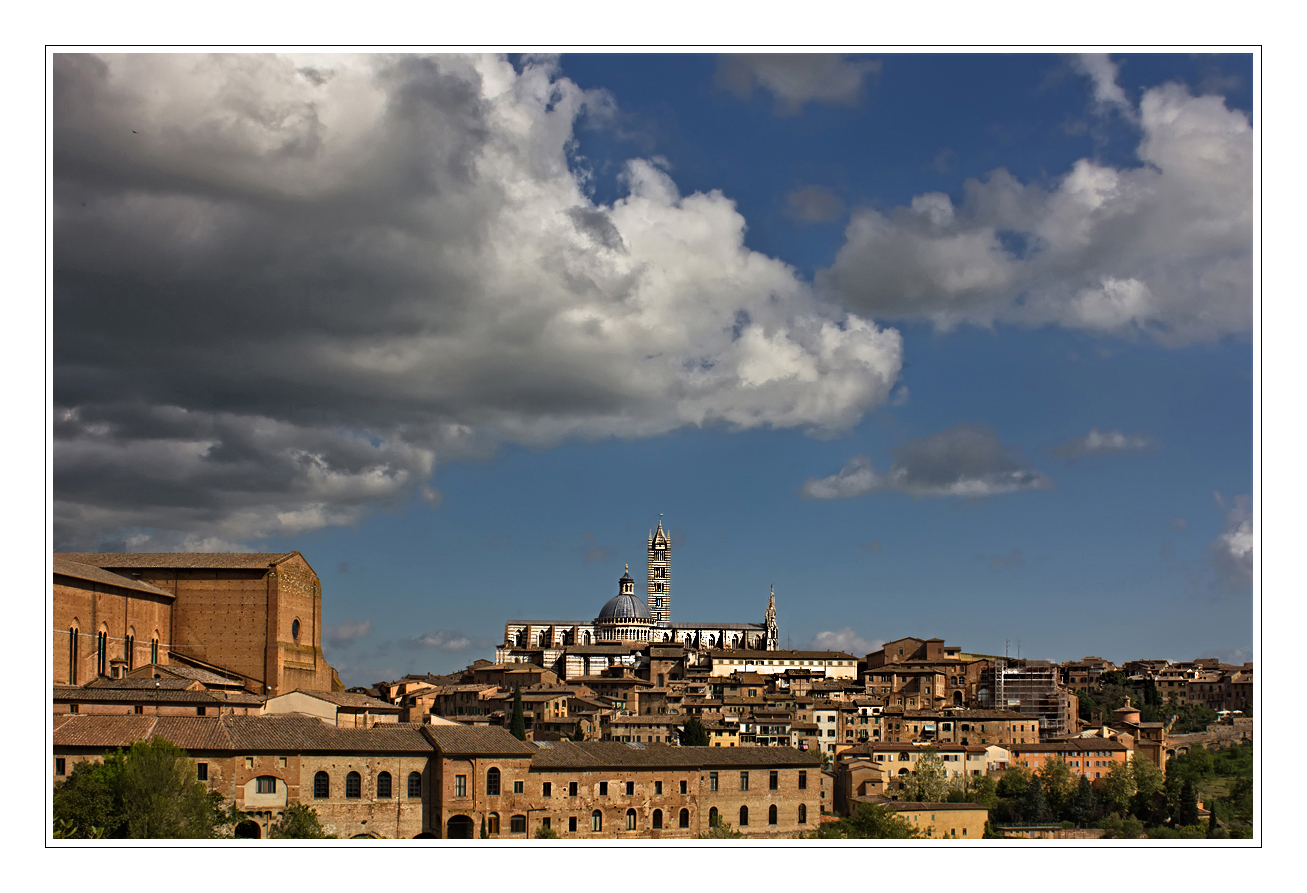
(1035, 690)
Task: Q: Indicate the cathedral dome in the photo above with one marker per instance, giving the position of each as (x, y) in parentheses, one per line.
(624, 605)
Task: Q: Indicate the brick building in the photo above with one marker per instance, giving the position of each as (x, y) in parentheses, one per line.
(255, 615)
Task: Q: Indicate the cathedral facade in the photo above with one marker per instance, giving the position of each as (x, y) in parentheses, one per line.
(628, 620)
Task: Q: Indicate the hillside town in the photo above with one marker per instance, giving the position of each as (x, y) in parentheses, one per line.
(626, 725)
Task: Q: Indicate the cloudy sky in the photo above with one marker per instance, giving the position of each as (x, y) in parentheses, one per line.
(953, 346)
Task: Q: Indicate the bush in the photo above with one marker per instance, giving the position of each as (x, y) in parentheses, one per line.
(299, 822)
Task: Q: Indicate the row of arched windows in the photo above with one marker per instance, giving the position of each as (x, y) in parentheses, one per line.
(102, 650)
(354, 785)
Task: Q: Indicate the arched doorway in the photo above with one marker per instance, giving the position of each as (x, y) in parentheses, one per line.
(248, 830)
(957, 699)
(459, 828)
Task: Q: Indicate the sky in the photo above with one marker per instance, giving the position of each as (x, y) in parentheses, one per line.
(936, 345)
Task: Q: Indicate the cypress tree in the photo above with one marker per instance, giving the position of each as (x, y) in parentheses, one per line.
(1187, 814)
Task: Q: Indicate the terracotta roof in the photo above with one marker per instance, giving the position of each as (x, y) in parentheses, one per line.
(107, 731)
(480, 739)
(782, 655)
(85, 695)
(613, 754)
(1074, 745)
(901, 806)
(302, 734)
(201, 560)
(141, 682)
(348, 699)
(78, 570)
(197, 674)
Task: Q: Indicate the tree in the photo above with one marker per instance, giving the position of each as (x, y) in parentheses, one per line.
(298, 822)
(1083, 806)
(871, 821)
(721, 831)
(1059, 786)
(1117, 787)
(518, 725)
(1149, 800)
(929, 782)
(694, 734)
(1187, 814)
(1034, 807)
(148, 791)
(579, 734)
(984, 790)
(484, 835)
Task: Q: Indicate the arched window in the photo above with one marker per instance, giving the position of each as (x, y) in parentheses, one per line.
(321, 786)
(72, 656)
(295, 629)
(596, 821)
(415, 784)
(658, 818)
(129, 647)
(685, 818)
(383, 785)
(102, 653)
(492, 823)
(771, 815)
(353, 786)
(712, 817)
(744, 816)
(630, 820)
(492, 783)
(154, 648)
(803, 814)
(517, 824)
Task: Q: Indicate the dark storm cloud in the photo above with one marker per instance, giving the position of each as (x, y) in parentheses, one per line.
(283, 286)
(968, 461)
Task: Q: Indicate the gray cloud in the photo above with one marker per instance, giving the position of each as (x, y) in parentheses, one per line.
(1161, 250)
(967, 461)
(1008, 561)
(347, 632)
(795, 79)
(446, 640)
(285, 287)
(594, 552)
(1232, 550)
(814, 204)
(846, 640)
(1098, 443)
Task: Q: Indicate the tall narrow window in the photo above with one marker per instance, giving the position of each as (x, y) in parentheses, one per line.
(101, 653)
(803, 814)
(130, 650)
(383, 785)
(773, 780)
(154, 650)
(685, 818)
(744, 781)
(630, 820)
(596, 821)
(803, 779)
(460, 785)
(744, 816)
(771, 815)
(492, 823)
(353, 786)
(72, 656)
(321, 786)
(414, 785)
(201, 771)
(712, 781)
(571, 823)
(657, 818)
(492, 783)
(712, 817)
(658, 788)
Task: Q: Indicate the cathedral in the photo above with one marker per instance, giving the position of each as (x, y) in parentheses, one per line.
(628, 620)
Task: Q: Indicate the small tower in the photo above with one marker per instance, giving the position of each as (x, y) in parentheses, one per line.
(660, 576)
(773, 632)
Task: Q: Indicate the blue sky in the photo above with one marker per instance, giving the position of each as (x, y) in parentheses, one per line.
(939, 345)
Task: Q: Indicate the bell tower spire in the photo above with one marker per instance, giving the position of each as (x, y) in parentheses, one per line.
(773, 632)
(660, 576)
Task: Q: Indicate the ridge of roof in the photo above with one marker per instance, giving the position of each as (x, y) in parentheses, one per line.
(78, 570)
(201, 560)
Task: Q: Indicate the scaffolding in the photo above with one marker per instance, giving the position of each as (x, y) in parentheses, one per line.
(1033, 690)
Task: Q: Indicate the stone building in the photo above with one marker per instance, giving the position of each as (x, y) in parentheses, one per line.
(254, 615)
(631, 619)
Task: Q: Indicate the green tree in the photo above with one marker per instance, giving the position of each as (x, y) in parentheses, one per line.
(983, 790)
(1149, 802)
(89, 803)
(1117, 787)
(1059, 786)
(1034, 806)
(694, 734)
(484, 835)
(929, 782)
(1187, 814)
(298, 822)
(1083, 806)
(543, 833)
(721, 831)
(871, 821)
(518, 724)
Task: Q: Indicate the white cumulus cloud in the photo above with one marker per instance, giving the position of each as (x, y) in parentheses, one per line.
(845, 639)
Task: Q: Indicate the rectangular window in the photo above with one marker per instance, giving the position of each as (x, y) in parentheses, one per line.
(685, 787)
(199, 711)
(571, 824)
(266, 784)
(803, 779)
(571, 790)
(249, 762)
(545, 822)
(201, 771)
(548, 790)
(774, 781)
(59, 766)
(712, 781)
(658, 788)
(138, 710)
(281, 762)
(517, 824)
(744, 781)
(603, 789)
(630, 788)
(73, 708)
(460, 785)
(518, 787)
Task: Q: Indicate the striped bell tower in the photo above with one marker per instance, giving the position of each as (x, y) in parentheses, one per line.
(660, 576)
